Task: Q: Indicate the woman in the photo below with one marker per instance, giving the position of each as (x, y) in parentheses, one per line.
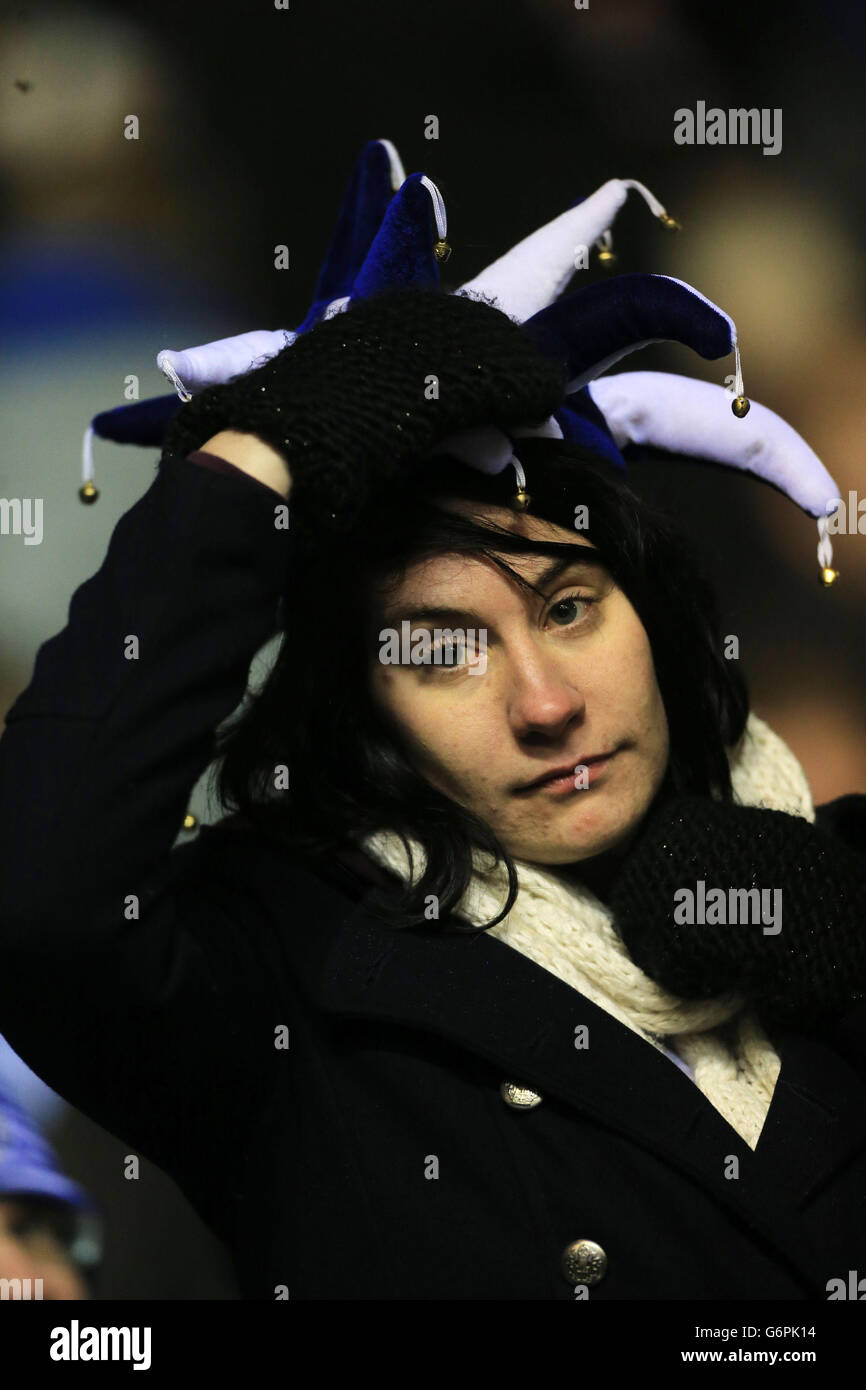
(449, 1080)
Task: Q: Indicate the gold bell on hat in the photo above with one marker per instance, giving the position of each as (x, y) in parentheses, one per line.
(741, 404)
(827, 575)
(88, 492)
(606, 253)
(670, 222)
(521, 499)
(441, 250)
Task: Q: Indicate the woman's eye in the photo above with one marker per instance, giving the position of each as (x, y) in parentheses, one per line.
(574, 608)
(452, 654)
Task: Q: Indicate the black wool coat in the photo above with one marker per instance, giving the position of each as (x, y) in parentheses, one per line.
(380, 1153)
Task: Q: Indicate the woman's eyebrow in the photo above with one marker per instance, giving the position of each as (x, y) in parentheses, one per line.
(467, 616)
(566, 562)
(426, 613)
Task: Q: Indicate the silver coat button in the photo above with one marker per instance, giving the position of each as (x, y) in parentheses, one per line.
(519, 1097)
(584, 1262)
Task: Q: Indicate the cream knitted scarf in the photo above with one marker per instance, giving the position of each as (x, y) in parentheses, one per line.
(565, 929)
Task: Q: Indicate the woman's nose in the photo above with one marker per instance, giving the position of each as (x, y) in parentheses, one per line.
(544, 698)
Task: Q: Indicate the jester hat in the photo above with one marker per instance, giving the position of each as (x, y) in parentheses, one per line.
(391, 232)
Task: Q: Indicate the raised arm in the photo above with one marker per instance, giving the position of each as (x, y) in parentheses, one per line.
(129, 978)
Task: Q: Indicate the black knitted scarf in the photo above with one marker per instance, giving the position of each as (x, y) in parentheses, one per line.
(804, 962)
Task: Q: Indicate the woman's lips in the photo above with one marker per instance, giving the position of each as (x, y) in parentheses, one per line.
(578, 778)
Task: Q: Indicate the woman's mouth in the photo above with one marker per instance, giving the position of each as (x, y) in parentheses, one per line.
(574, 777)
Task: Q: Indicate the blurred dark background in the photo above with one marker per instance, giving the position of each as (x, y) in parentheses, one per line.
(250, 119)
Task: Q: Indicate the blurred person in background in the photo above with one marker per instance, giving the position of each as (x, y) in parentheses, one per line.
(50, 1228)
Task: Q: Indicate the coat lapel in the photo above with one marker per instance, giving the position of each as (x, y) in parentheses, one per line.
(478, 992)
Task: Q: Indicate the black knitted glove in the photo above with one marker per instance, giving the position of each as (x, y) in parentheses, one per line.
(345, 404)
(814, 965)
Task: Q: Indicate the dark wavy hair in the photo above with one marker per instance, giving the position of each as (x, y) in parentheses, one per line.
(350, 770)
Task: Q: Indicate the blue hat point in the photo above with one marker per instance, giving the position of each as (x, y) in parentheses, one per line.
(375, 178)
(375, 181)
(386, 232)
(402, 252)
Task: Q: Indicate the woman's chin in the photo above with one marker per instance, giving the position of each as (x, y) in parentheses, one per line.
(583, 836)
(570, 849)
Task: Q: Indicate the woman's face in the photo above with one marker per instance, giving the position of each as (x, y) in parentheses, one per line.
(565, 678)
